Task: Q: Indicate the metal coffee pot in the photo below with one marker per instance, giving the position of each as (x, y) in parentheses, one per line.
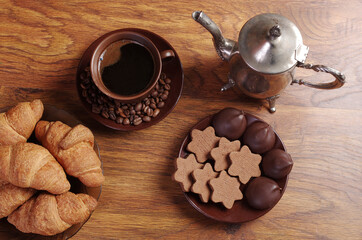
(264, 59)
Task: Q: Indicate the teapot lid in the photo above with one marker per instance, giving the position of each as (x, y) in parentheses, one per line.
(270, 43)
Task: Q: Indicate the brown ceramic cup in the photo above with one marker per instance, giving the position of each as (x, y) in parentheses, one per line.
(116, 40)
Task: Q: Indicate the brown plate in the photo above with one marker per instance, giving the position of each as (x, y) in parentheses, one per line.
(172, 68)
(241, 211)
(8, 231)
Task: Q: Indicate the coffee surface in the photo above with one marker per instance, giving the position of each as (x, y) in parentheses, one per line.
(132, 72)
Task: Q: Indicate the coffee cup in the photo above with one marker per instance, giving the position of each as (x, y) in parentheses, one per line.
(127, 65)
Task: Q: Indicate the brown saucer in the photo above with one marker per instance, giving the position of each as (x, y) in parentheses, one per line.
(8, 231)
(173, 70)
(241, 211)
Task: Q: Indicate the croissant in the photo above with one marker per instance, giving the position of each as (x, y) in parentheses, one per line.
(29, 165)
(17, 124)
(47, 214)
(11, 197)
(73, 148)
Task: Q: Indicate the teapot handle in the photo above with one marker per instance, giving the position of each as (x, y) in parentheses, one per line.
(337, 83)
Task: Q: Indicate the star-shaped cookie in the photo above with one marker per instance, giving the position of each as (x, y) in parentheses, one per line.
(221, 153)
(202, 176)
(202, 143)
(226, 189)
(184, 168)
(244, 164)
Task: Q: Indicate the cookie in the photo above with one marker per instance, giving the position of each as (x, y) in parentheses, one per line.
(244, 164)
(202, 177)
(225, 189)
(184, 168)
(221, 153)
(202, 143)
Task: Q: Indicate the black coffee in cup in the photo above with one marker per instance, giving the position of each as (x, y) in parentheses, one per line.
(126, 67)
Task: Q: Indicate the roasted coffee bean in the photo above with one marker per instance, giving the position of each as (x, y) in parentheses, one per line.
(83, 75)
(131, 118)
(137, 121)
(166, 92)
(146, 118)
(105, 114)
(168, 81)
(138, 107)
(112, 115)
(163, 76)
(156, 112)
(124, 107)
(132, 112)
(164, 97)
(126, 112)
(84, 93)
(119, 120)
(167, 87)
(96, 109)
(149, 112)
(162, 82)
(153, 105)
(160, 104)
(88, 100)
(145, 109)
(154, 93)
(147, 102)
(157, 86)
(126, 121)
(84, 86)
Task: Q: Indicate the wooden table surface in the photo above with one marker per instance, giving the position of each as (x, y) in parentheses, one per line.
(41, 43)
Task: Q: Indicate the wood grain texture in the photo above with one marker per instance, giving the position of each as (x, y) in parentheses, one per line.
(41, 43)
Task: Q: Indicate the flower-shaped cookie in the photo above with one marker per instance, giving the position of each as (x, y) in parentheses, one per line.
(202, 143)
(244, 164)
(221, 153)
(184, 167)
(226, 189)
(202, 176)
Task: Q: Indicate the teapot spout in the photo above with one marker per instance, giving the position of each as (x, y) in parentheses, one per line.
(225, 48)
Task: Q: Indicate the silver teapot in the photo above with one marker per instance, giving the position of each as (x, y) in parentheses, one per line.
(264, 59)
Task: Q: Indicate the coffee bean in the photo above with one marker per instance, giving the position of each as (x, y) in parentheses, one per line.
(156, 112)
(126, 112)
(137, 121)
(88, 100)
(153, 105)
(131, 118)
(119, 120)
(164, 96)
(168, 81)
(166, 92)
(154, 93)
(84, 93)
(112, 115)
(132, 112)
(146, 109)
(125, 107)
(105, 114)
(138, 107)
(162, 82)
(163, 76)
(96, 109)
(146, 118)
(149, 112)
(167, 87)
(126, 121)
(83, 76)
(160, 104)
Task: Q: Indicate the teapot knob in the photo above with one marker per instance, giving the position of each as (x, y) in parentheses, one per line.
(274, 32)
